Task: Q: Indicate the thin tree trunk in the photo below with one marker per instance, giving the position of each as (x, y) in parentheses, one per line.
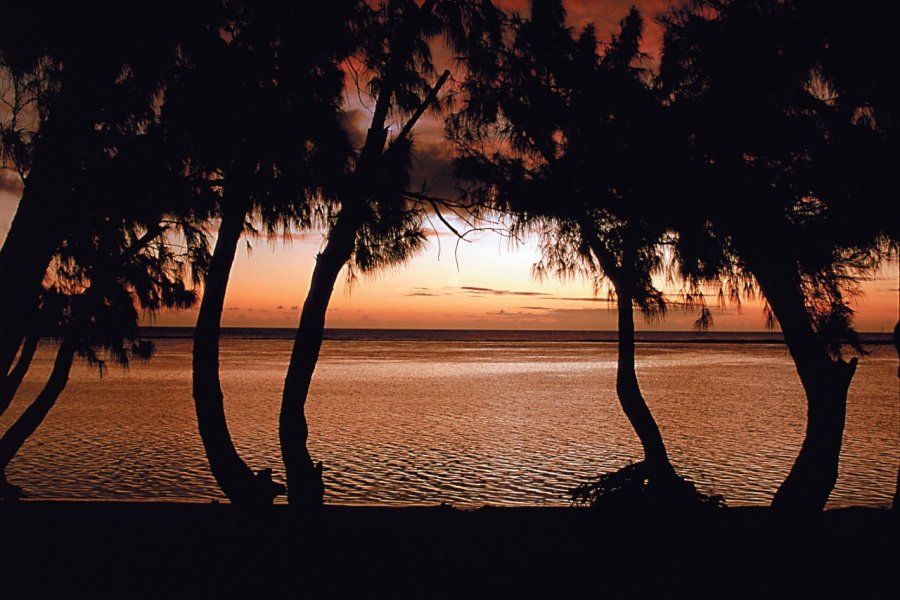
(45, 213)
(10, 384)
(826, 382)
(233, 475)
(305, 486)
(29, 421)
(628, 389)
(304, 479)
(656, 458)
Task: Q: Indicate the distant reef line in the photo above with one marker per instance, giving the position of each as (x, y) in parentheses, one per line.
(499, 335)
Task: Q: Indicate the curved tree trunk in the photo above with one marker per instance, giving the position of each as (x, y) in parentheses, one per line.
(45, 212)
(628, 389)
(29, 421)
(10, 384)
(633, 404)
(305, 487)
(304, 479)
(826, 382)
(233, 475)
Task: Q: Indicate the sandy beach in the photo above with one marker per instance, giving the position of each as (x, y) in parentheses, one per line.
(155, 550)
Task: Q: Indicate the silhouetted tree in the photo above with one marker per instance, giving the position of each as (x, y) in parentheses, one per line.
(583, 132)
(860, 71)
(87, 72)
(253, 119)
(374, 226)
(99, 283)
(373, 186)
(781, 172)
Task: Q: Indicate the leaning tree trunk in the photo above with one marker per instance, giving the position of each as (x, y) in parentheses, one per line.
(10, 384)
(233, 475)
(305, 487)
(29, 421)
(656, 459)
(304, 479)
(46, 212)
(826, 382)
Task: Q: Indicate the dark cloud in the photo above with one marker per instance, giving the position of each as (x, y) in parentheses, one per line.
(295, 307)
(432, 171)
(585, 299)
(479, 291)
(279, 307)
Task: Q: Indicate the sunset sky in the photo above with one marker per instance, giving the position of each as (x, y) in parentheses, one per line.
(482, 284)
(492, 288)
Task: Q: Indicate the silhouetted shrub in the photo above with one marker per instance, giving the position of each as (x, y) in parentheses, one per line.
(634, 486)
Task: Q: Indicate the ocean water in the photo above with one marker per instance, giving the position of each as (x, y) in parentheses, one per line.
(468, 418)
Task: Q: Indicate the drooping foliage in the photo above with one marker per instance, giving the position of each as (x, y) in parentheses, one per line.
(252, 123)
(85, 80)
(99, 284)
(376, 225)
(789, 177)
(571, 144)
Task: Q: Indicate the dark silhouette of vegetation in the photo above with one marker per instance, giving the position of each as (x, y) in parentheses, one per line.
(633, 487)
(99, 283)
(375, 226)
(583, 130)
(760, 154)
(89, 73)
(773, 157)
(277, 67)
(397, 55)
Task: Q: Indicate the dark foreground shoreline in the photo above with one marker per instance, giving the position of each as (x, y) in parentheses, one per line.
(150, 550)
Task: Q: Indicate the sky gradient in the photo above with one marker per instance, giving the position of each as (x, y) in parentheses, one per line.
(483, 284)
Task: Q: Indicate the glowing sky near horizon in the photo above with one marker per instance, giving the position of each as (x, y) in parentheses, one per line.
(485, 284)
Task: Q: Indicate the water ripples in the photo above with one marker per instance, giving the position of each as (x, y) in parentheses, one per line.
(467, 423)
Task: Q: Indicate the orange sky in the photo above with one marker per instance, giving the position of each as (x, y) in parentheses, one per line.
(485, 284)
(491, 288)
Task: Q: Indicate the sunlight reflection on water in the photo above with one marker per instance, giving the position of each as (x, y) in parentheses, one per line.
(463, 422)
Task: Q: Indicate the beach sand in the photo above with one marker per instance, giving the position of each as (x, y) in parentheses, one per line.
(154, 550)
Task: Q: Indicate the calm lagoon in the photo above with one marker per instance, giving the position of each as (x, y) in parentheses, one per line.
(466, 418)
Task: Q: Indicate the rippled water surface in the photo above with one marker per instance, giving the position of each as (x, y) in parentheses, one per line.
(466, 422)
